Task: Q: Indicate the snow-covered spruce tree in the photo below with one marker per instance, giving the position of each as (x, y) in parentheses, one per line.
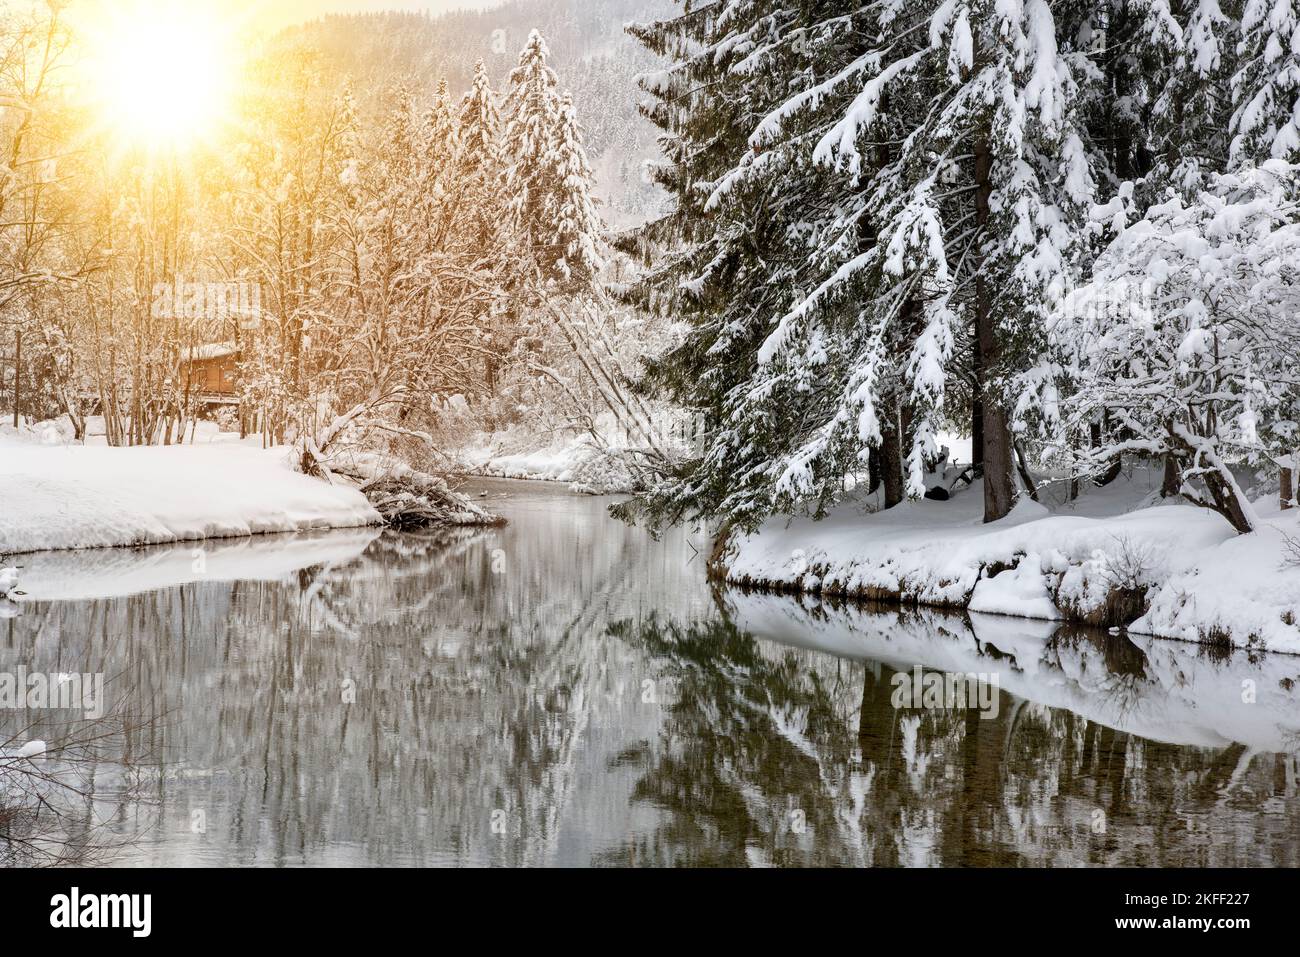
(1187, 56)
(1120, 106)
(1186, 335)
(726, 268)
(899, 220)
(1266, 124)
(977, 202)
(480, 122)
(439, 143)
(1266, 86)
(548, 178)
(440, 190)
(1013, 134)
(480, 172)
(878, 288)
(479, 158)
(531, 109)
(556, 248)
(574, 253)
(440, 134)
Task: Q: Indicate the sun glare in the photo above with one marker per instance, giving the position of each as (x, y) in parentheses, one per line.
(161, 74)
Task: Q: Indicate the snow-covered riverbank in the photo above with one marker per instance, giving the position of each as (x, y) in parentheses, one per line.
(72, 496)
(1111, 558)
(572, 461)
(581, 461)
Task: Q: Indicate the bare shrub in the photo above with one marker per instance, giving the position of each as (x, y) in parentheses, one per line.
(1290, 551)
(1129, 566)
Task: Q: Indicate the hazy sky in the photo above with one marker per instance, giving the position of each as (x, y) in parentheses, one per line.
(278, 13)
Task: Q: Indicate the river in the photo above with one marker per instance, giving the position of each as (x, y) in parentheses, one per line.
(570, 691)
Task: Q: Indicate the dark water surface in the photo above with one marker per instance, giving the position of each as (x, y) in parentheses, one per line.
(569, 691)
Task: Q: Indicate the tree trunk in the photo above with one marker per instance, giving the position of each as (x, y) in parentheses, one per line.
(875, 473)
(999, 487)
(1286, 489)
(891, 456)
(996, 451)
(1116, 464)
(1173, 479)
(18, 375)
(1026, 476)
(886, 463)
(1226, 502)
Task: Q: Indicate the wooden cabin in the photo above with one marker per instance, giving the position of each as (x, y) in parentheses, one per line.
(210, 373)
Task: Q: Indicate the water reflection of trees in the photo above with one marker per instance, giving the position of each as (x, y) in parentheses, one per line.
(482, 697)
(761, 737)
(424, 701)
(68, 780)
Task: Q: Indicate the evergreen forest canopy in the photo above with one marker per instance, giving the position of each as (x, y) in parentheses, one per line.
(1067, 229)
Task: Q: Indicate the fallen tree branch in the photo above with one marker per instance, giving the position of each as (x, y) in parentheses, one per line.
(409, 498)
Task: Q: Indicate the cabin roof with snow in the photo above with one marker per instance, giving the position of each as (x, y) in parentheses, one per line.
(212, 350)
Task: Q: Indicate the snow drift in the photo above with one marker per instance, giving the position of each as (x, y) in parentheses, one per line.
(65, 497)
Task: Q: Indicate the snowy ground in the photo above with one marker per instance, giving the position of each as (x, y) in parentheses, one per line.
(1196, 579)
(571, 459)
(59, 495)
(601, 464)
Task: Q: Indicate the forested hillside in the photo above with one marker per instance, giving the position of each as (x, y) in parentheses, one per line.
(591, 52)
